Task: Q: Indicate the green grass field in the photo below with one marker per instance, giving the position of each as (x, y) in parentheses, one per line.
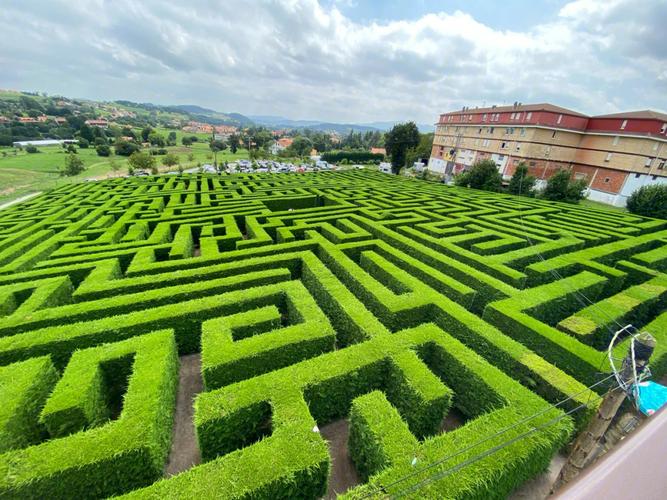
(25, 173)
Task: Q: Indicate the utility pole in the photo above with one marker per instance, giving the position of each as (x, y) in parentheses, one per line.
(583, 447)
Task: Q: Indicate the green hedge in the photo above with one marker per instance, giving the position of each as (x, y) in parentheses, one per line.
(108, 459)
(24, 387)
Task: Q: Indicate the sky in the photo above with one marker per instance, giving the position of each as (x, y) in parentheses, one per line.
(350, 61)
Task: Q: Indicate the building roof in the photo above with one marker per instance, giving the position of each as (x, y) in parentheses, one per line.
(544, 106)
(646, 114)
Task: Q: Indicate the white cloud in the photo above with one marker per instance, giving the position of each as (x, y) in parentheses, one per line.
(305, 60)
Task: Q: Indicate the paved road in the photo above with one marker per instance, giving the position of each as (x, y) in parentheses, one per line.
(19, 200)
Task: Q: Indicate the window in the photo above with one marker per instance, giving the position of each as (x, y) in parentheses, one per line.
(625, 122)
(490, 130)
(529, 116)
(608, 157)
(648, 161)
(479, 131)
(516, 162)
(616, 139)
(532, 163)
(512, 116)
(637, 176)
(484, 117)
(522, 132)
(654, 177)
(547, 151)
(503, 145)
(655, 147)
(560, 118)
(606, 180)
(518, 147)
(663, 129)
(553, 134)
(661, 165)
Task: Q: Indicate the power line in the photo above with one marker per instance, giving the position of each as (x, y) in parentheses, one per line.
(488, 438)
(490, 451)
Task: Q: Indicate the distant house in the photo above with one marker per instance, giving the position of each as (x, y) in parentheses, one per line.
(28, 119)
(379, 151)
(385, 167)
(280, 145)
(4, 119)
(60, 120)
(101, 122)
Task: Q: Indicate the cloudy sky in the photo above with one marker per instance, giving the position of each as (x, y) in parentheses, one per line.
(341, 60)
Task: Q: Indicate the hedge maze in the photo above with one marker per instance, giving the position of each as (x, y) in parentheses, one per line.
(311, 298)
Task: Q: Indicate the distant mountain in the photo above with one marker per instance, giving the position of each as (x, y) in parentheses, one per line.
(423, 127)
(282, 122)
(195, 113)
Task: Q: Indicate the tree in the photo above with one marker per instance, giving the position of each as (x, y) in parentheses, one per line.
(398, 140)
(561, 188)
(483, 175)
(186, 141)
(216, 145)
(31, 149)
(86, 132)
(422, 151)
(142, 161)
(521, 183)
(145, 132)
(73, 165)
(125, 148)
(156, 139)
(170, 160)
(650, 201)
(103, 150)
(233, 143)
(71, 149)
(301, 146)
(115, 166)
(171, 138)
(83, 143)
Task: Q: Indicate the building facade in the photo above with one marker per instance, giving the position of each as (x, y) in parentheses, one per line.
(616, 154)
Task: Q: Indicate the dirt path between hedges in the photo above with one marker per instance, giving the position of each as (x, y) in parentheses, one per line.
(184, 452)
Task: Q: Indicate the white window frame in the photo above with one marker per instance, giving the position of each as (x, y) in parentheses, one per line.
(608, 157)
(616, 140)
(624, 124)
(560, 118)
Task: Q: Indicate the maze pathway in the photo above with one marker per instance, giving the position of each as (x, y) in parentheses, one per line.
(310, 298)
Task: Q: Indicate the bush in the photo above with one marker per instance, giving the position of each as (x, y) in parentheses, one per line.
(158, 152)
(650, 201)
(561, 188)
(126, 148)
(73, 165)
(351, 156)
(483, 175)
(84, 143)
(521, 183)
(31, 149)
(103, 150)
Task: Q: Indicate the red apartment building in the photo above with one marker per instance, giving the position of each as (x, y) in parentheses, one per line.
(616, 153)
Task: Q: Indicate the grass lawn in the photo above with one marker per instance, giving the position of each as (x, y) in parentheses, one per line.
(601, 206)
(25, 173)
